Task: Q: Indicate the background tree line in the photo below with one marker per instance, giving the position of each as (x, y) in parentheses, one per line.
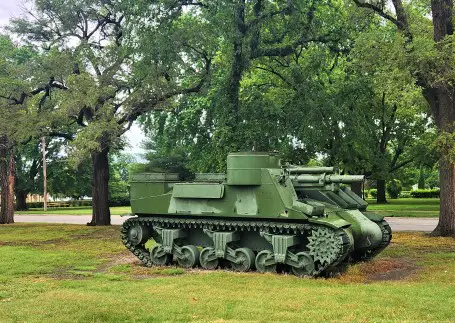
(364, 85)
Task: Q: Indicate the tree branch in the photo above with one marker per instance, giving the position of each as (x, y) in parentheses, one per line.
(281, 77)
(378, 10)
(401, 165)
(67, 136)
(148, 105)
(400, 21)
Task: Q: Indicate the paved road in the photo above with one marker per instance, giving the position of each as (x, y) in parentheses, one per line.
(70, 219)
(397, 224)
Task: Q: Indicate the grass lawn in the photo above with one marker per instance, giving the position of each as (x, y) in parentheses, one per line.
(407, 207)
(80, 210)
(70, 273)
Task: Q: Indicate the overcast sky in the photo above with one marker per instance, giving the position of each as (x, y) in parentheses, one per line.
(13, 8)
(9, 8)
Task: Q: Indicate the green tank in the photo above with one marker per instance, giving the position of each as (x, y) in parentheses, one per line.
(260, 216)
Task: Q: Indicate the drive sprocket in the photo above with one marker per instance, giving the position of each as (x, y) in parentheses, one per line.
(324, 245)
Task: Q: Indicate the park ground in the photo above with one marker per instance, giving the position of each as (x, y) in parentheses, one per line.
(406, 207)
(73, 273)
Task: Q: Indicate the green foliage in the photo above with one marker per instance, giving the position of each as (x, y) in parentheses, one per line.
(28, 162)
(119, 200)
(71, 203)
(158, 162)
(16, 73)
(119, 170)
(373, 193)
(99, 86)
(274, 93)
(67, 181)
(411, 175)
(405, 194)
(356, 107)
(394, 188)
(430, 193)
(320, 82)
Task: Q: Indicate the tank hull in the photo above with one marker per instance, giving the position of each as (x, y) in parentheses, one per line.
(252, 218)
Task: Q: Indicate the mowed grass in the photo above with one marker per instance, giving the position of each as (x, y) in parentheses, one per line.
(407, 207)
(80, 210)
(70, 273)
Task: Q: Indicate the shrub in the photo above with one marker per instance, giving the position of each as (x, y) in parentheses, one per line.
(394, 188)
(80, 203)
(373, 192)
(123, 200)
(35, 205)
(40, 205)
(405, 194)
(433, 193)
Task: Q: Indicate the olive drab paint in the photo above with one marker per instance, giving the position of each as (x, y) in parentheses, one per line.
(258, 215)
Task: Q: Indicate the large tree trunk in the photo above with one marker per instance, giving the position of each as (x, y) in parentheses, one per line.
(442, 102)
(446, 224)
(237, 63)
(421, 183)
(3, 178)
(100, 189)
(356, 187)
(380, 198)
(21, 200)
(11, 182)
(7, 178)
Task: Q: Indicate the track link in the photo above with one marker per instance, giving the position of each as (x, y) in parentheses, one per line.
(143, 254)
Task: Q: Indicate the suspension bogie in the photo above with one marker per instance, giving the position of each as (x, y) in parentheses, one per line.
(245, 247)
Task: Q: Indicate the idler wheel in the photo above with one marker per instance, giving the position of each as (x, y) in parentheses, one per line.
(244, 260)
(306, 265)
(265, 262)
(159, 257)
(208, 258)
(138, 234)
(189, 256)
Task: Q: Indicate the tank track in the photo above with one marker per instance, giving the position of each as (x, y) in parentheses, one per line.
(386, 238)
(344, 247)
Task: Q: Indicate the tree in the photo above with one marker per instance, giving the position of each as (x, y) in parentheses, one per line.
(430, 61)
(66, 180)
(249, 103)
(114, 61)
(28, 162)
(323, 97)
(393, 112)
(14, 75)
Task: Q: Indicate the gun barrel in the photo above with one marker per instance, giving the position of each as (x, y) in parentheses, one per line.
(345, 179)
(312, 170)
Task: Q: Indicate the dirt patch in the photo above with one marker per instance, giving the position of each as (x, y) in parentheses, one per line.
(97, 234)
(388, 269)
(120, 259)
(77, 273)
(32, 243)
